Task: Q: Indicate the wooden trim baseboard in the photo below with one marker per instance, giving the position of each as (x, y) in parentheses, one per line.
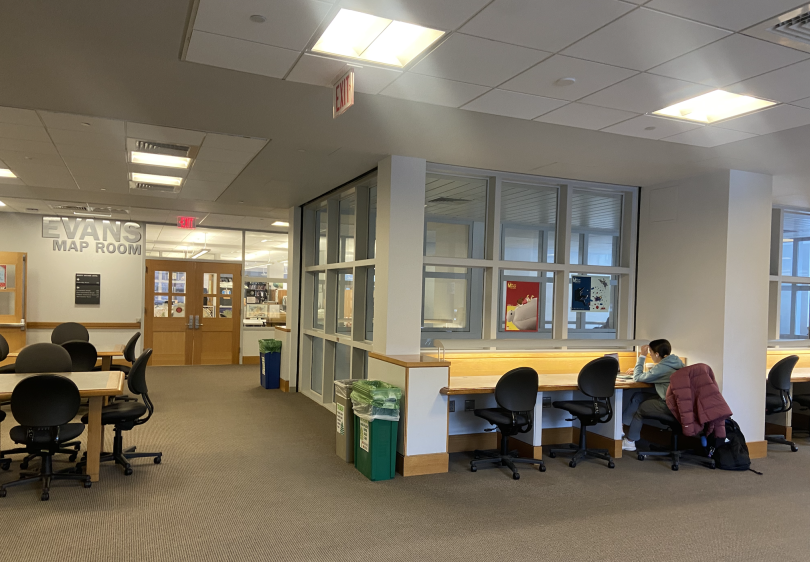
(757, 449)
(88, 325)
(597, 441)
(776, 429)
(418, 465)
(471, 442)
(284, 385)
(250, 360)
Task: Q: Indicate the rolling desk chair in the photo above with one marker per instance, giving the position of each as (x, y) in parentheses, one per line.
(44, 406)
(69, 331)
(597, 380)
(129, 355)
(779, 380)
(516, 395)
(4, 350)
(126, 415)
(5, 463)
(674, 453)
(83, 355)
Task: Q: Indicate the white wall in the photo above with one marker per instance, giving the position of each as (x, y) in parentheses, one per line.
(703, 280)
(51, 282)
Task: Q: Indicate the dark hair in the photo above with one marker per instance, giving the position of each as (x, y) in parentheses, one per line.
(661, 347)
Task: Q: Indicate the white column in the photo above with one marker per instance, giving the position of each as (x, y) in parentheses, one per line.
(400, 233)
(703, 280)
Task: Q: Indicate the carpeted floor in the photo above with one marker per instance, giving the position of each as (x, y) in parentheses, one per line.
(251, 474)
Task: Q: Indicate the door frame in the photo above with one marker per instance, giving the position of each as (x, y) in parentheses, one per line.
(20, 262)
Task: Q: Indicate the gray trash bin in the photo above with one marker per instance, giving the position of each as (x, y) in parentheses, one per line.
(344, 420)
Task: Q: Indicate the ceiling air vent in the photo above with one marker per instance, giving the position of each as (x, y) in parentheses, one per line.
(797, 28)
(138, 186)
(791, 29)
(88, 209)
(449, 200)
(162, 148)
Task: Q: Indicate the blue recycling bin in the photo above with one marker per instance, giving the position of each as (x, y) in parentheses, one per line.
(270, 363)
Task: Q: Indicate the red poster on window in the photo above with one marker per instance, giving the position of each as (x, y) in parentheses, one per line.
(2, 276)
(522, 306)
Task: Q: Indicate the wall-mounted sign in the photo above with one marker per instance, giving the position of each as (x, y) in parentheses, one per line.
(106, 237)
(344, 94)
(522, 306)
(186, 222)
(2, 276)
(590, 293)
(88, 288)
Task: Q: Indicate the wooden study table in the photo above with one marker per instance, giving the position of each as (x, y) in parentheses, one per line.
(95, 385)
(485, 384)
(105, 356)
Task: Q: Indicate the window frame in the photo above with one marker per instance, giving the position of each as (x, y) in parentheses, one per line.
(779, 278)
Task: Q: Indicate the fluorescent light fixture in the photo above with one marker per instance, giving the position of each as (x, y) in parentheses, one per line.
(6, 173)
(156, 180)
(713, 107)
(159, 160)
(2, 204)
(99, 215)
(370, 38)
(279, 223)
(201, 252)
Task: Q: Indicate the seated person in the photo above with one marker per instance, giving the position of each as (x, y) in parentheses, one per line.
(646, 402)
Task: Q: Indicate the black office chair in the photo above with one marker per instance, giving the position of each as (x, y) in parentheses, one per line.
(516, 395)
(597, 380)
(129, 355)
(675, 454)
(779, 380)
(83, 355)
(5, 463)
(44, 406)
(126, 415)
(4, 351)
(69, 331)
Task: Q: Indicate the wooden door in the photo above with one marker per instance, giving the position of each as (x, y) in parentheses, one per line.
(217, 313)
(13, 299)
(168, 324)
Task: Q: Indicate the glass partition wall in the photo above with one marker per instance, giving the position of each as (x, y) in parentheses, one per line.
(339, 243)
(789, 315)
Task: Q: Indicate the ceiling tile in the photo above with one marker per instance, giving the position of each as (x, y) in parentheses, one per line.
(290, 23)
(148, 215)
(585, 116)
(445, 15)
(590, 77)
(214, 166)
(801, 103)
(82, 123)
(24, 146)
(417, 87)
(728, 14)
(548, 25)
(220, 155)
(233, 142)
(90, 140)
(478, 61)
(770, 120)
(164, 134)
(786, 84)
(236, 54)
(46, 176)
(322, 71)
(220, 177)
(709, 137)
(24, 132)
(11, 181)
(644, 93)
(730, 60)
(643, 39)
(88, 167)
(81, 151)
(110, 183)
(12, 158)
(513, 104)
(650, 127)
(202, 190)
(19, 116)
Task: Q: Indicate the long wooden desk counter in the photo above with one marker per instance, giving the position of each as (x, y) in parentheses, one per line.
(485, 384)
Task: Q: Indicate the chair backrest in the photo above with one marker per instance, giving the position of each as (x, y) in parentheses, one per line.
(45, 401)
(597, 379)
(779, 375)
(3, 348)
(516, 391)
(69, 331)
(43, 358)
(137, 374)
(129, 349)
(83, 355)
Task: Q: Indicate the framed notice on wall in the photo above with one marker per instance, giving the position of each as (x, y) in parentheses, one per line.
(2, 276)
(522, 306)
(88, 288)
(590, 293)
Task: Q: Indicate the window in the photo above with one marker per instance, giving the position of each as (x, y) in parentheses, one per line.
(164, 241)
(593, 324)
(345, 296)
(321, 220)
(790, 276)
(447, 296)
(264, 284)
(347, 210)
(370, 304)
(595, 228)
(455, 215)
(526, 304)
(316, 376)
(528, 222)
(372, 222)
(320, 302)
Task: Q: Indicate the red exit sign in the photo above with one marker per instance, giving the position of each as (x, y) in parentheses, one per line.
(186, 222)
(344, 94)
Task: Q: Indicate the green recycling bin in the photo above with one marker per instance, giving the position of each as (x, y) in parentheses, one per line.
(376, 407)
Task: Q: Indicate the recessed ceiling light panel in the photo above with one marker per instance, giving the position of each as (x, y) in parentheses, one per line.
(6, 173)
(159, 160)
(154, 179)
(713, 107)
(280, 223)
(370, 38)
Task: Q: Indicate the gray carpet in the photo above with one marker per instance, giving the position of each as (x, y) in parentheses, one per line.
(251, 474)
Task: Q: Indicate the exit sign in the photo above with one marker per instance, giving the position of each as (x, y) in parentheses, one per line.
(186, 222)
(344, 94)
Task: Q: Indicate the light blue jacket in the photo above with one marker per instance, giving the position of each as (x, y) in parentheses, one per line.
(658, 374)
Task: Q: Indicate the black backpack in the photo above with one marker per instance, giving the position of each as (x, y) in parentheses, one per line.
(733, 453)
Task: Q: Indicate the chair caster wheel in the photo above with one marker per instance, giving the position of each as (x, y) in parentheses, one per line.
(516, 476)
(44, 497)
(572, 464)
(158, 459)
(6, 464)
(611, 465)
(794, 448)
(553, 455)
(473, 469)
(641, 457)
(675, 467)
(72, 458)
(2, 493)
(127, 471)
(23, 465)
(87, 483)
(542, 468)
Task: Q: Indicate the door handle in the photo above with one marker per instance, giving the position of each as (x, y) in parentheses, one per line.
(197, 322)
(190, 321)
(20, 325)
